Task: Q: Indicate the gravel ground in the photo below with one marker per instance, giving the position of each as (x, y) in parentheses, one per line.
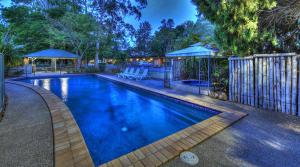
(26, 130)
(266, 139)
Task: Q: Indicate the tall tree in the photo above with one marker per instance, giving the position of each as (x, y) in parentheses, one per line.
(164, 39)
(236, 23)
(143, 38)
(283, 22)
(29, 27)
(110, 18)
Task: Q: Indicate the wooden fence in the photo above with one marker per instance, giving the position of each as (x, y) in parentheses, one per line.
(268, 81)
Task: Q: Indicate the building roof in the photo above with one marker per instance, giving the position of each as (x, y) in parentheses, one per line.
(194, 50)
(52, 53)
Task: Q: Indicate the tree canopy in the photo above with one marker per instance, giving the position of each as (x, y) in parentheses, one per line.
(169, 38)
(143, 39)
(244, 27)
(84, 26)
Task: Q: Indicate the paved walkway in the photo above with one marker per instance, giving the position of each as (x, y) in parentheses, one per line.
(262, 138)
(26, 130)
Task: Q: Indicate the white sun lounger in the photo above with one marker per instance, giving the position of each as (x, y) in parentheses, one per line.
(124, 72)
(131, 71)
(143, 75)
(131, 76)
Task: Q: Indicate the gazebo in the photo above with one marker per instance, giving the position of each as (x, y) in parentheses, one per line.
(198, 54)
(52, 54)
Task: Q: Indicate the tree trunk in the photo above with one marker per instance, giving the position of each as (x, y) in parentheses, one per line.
(79, 60)
(97, 55)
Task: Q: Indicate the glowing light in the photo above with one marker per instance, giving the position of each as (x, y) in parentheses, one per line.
(36, 82)
(46, 84)
(64, 88)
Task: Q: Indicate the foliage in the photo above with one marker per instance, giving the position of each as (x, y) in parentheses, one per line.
(164, 38)
(236, 23)
(29, 28)
(282, 21)
(92, 69)
(7, 49)
(143, 39)
(220, 75)
(170, 38)
(78, 26)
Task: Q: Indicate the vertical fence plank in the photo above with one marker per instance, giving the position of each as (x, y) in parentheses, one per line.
(298, 89)
(248, 81)
(239, 81)
(230, 80)
(264, 82)
(275, 83)
(278, 83)
(271, 84)
(267, 80)
(251, 83)
(235, 81)
(294, 85)
(260, 82)
(256, 64)
(288, 85)
(282, 79)
(244, 82)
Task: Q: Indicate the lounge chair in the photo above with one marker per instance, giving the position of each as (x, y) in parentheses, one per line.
(131, 71)
(136, 73)
(143, 75)
(124, 72)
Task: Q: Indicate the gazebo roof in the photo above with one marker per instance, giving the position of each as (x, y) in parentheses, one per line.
(194, 50)
(52, 53)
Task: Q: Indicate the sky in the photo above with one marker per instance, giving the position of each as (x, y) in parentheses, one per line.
(5, 2)
(156, 10)
(179, 10)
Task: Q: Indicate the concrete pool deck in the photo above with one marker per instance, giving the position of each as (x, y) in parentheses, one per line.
(26, 130)
(68, 146)
(262, 138)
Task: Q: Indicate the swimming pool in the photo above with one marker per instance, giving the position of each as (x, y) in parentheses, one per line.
(115, 119)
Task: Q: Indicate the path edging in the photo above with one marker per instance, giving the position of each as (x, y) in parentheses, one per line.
(69, 146)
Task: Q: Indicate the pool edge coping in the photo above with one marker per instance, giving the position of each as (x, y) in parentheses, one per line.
(169, 147)
(69, 146)
(166, 149)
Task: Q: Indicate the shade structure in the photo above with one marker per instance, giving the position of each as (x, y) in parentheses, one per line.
(52, 54)
(194, 50)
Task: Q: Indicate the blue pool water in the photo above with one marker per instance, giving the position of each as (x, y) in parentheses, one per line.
(114, 119)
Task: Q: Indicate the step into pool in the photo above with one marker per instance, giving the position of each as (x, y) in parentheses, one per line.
(116, 119)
